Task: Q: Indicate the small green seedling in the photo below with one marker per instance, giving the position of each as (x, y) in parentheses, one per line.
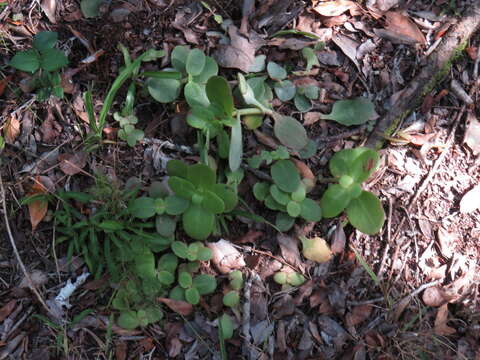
(191, 69)
(232, 297)
(351, 112)
(287, 195)
(198, 197)
(352, 167)
(287, 279)
(43, 61)
(268, 157)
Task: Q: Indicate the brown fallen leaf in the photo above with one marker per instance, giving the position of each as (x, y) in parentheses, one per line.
(4, 83)
(440, 326)
(311, 118)
(37, 208)
(50, 128)
(334, 8)
(240, 54)
(338, 240)
(470, 201)
(358, 315)
(11, 129)
(49, 7)
(289, 250)
(250, 237)
(180, 307)
(72, 164)
(434, 296)
(7, 309)
(225, 256)
(120, 350)
(472, 133)
(305, 172)
(400, 24)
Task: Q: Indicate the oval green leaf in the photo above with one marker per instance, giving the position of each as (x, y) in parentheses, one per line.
(197, 222)
(195, 62)
(290, 132)
(334, 200)
(366, 213)
(285, 175)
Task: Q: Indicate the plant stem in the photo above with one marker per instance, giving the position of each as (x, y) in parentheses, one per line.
(249, 111)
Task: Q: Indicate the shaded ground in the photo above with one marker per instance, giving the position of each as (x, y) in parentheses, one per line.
(425, 303)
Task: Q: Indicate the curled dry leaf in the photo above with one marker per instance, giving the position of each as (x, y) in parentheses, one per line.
(11, 129)
(470, 201)
(180, 307)
(49, 7)
(225, 256)
(441, 327)
(265, 139)
(37, 208)
(434, 296)
(399, 24)
(72, 164)
(334, 8)
(358, 315)
(472, 133)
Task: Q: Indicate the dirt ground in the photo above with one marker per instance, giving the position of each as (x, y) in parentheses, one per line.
(409, 292)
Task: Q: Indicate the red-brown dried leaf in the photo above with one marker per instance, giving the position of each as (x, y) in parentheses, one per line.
(334, 8)
(11, 129)
(121, 350)
(440, 326)
(7, 309)
(358, 315)
(401, 24)
(180, 307)
(4, 83)
(72, 164)
(37, 209)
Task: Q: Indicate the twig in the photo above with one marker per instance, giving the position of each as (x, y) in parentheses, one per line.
(420, 289)
(15, 250)
(389, 232)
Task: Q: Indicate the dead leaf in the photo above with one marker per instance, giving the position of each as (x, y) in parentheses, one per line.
(4, 83)
(49, 7)
(446, 240)
(472, 133)
(7, 309)
(470, 201)
(333, 329)
(225, 256)
(316, 249)
(289, 251)
(358, 315)
(441, 327)
(311, 118)
(329, 22)
(265, 139)
(385, 5)
(250, 237)
(434, 296)
(400, 24)
(38, 278)
(291, 43)
(180, 307)
(37, 208)
(348, 46)
(11, 129)
(240, 54)
(305, 173)
(121, 350)
(50, 128)
(319, 298)
(72, 164)
(334, 8)
(338, 240)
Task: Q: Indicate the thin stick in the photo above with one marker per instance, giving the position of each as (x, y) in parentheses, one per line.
(15, 250)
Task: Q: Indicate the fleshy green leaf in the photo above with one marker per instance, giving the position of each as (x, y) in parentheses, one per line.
(164, 90)
(128, 320)
(53, 59)
(302, 103)
(205, 284)
(192, 296)
(311, 58)
(261, 191)
(236, 147)
(351, 112)
(366, 213)
(229, 197)
(310, 211)
(219, 93)
(26, 61)
(179, 58)
(295, 279)
(290, 132)
(285, 175)
(168, 262)
(197, 222)
(177, 293)
(180, 249)
(364, 165)
(177, 168)
(90, 8)
(195, 62)
(195, 94)
(166, 277)
(181, 187)
(311, 92)
(334, 200)
(280, 277)
(309, 150)
(300, 193)
(142, 207)
(226, 326)
(275, 71)
(201, 175)
(236, 279)
(293, 208)
(45, 40)
(176, 205)
(184, 279)
(280, 196)
(285, 90)
(342, 161)
(145, 264)
(165, 225)
(204, 254)
(231, 299)
(284, 222)
(212, 202)
(210, 69)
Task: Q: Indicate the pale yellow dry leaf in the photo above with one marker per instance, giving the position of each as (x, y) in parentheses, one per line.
(334, 8)
(316, 249)
(470, 201)
(11, 129)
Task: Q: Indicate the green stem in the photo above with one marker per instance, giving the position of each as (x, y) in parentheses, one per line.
(249, 111)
